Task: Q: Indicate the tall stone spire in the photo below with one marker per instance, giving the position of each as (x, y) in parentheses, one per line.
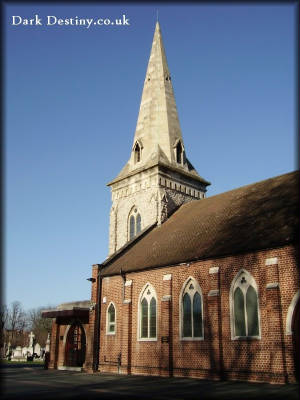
(158, 126)
(158, 177)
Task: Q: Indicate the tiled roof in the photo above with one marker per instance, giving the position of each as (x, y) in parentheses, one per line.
(257, 216)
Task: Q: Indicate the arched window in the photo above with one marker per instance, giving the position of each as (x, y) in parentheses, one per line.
(191, 311)
(132, 227)
(147, 314)
(111, 320)
(138, 223)
(179, 153)
(137, 153)
(135, 223)
(244, 306)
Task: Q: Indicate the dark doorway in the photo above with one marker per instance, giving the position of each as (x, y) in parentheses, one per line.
(296, 340)
(75, 346)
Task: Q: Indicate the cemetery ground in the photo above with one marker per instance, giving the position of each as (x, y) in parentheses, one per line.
(32, 381)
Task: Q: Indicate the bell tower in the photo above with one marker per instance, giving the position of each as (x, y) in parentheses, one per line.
(158, 177)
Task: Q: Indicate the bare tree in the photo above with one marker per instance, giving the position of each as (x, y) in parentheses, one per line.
(14, 323)
(38, 325)
(3, 324)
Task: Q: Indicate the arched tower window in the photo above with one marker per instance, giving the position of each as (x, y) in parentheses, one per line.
(135, 223)
(137, 153)
(179, 153)
(147, 314)
(111, 320)
(191, 311)
(244, 306)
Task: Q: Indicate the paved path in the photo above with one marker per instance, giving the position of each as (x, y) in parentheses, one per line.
(29, 382)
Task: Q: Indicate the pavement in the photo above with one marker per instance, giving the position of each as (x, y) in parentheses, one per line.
(33, 382)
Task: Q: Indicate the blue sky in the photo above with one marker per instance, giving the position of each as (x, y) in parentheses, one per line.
(71, 103)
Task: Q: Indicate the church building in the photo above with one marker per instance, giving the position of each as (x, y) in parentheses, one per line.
(192, 286)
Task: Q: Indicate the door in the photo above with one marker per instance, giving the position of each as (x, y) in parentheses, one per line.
(75, 346)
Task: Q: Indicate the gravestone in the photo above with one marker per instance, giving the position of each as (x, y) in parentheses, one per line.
(47, 348)
(25, 351)
(30, 347)
(37, 349)
(8, 351)
(17, 354)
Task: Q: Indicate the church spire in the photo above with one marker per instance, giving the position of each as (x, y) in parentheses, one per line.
(158, 128)
(158, 138)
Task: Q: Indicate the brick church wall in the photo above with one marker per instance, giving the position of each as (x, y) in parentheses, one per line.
(269, 358)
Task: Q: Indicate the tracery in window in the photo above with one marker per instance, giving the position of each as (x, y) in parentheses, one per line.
(111, 320)
(244, 306)
(135, 223)
(147, 314)
(191, 311)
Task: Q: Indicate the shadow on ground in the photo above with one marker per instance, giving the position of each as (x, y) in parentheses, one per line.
(36, 383)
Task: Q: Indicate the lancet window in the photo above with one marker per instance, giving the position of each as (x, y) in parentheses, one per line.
(244, 306)
(135, 223)
(148, 314)
(191, 311)
(111, 319)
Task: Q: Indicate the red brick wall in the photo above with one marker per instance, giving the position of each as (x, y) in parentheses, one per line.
(217, 355)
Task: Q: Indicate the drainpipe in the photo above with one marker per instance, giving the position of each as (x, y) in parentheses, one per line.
(97, 322)
(123, 276)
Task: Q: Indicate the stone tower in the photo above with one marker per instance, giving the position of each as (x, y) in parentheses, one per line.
(158, 177)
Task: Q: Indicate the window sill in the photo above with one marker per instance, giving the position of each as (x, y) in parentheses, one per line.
(246, 338)
(147, 339)
(110, 333)
(192, 339)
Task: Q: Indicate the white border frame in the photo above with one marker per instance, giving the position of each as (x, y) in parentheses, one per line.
(290, 313)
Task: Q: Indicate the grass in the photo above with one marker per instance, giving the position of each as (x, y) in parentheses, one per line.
(22, 362)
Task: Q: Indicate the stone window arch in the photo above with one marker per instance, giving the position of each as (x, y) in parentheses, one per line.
(290, 312)
(179, 151)
(244, 307)
(147, 314)
(111, 319)
(191, 311)
(137, 151)
(134, 223)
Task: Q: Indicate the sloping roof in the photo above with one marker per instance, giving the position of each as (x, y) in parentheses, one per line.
(257, 216)
(72, 309)
(159, 159)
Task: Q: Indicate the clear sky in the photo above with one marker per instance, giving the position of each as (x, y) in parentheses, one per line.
(72, 97)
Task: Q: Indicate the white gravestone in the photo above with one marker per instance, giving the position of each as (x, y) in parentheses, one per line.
(8, 349)
(37, 349)
(47, 348)
(30, 347)
(17, 354)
